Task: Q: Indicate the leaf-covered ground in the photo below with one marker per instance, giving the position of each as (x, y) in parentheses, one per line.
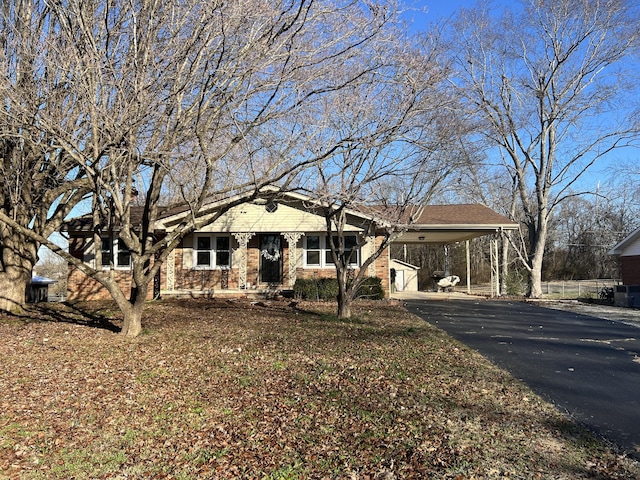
(230, 389)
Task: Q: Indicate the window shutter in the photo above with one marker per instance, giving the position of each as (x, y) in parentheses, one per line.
(187, 252)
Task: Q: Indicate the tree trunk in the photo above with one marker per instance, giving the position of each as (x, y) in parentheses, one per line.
(132, 310)
(18, 256)
(132, 325)
(13, 288)
(345, 293)
(535, 280)
(539, 236)
(344, 304)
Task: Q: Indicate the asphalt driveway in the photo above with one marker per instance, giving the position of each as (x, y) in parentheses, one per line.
(586, 366)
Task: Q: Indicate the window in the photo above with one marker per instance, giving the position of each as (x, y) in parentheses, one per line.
(313, 250)
(223, 252)
(115, 249)
(212, 252)
(350, 243)
(106, 251)
(123, 255)
(318, 250)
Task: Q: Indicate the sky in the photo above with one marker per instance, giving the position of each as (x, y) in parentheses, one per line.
(425, 12)
(422, 13)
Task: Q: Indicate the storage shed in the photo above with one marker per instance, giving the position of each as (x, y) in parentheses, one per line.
(38, 289)
(404, 276)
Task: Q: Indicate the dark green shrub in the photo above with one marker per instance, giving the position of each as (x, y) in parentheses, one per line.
(305, 289)
(316, 288)
(327, 289)
(516, 283)
(371, 288)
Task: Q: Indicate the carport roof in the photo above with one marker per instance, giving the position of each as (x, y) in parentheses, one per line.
(454, 223)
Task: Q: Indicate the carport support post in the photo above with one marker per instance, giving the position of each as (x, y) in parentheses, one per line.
(495, 268)
(447, 261)
(468, 268)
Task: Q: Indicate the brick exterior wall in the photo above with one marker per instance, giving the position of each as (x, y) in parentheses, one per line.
(193, 279)
(383, 268)
(187, 278)
(630, 270)
(381, 264)
(253, 261)
(81, 287)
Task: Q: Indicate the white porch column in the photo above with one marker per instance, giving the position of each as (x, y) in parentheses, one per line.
(243, 240)
(171, 271)
(371, 248)
(292, 239)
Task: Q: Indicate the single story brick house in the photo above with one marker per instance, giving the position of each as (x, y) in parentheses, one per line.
(264, 246)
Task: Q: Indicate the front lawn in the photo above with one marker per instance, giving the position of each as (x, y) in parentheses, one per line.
(233, 389)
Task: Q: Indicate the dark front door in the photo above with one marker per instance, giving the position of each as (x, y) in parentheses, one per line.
(271, 259)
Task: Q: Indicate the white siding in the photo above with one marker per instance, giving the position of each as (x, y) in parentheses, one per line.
(255, 218)
(632, 249)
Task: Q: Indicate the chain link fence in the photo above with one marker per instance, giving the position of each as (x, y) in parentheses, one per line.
(563, 289)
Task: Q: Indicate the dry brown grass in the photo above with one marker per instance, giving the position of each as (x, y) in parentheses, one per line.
(230, 389)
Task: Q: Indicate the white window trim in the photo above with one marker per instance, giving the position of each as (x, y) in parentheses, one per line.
(213, 251)
(325, 250)
(115, 242)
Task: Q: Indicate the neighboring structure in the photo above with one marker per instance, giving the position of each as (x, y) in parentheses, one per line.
(628, 294)
(38, 289)
(263, 246)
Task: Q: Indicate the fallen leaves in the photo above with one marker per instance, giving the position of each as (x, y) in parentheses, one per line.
(219, 389)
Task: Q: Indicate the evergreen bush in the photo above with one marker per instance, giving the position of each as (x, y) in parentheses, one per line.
(371, 288)
(326, 289)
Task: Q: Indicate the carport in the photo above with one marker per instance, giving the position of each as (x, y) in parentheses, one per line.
(449, 224)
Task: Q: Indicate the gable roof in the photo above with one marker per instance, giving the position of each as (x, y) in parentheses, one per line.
(171, 216)
(625, 243)
(435, 224)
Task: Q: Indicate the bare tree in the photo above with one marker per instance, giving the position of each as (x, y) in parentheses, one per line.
(226, 88)
(552, 83)
(41, 183)
(586, 228)
(395, 128)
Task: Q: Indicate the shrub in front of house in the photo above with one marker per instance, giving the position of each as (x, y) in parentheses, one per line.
(371, 288)
(326, 289)
(305, 289)
(316, 289)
